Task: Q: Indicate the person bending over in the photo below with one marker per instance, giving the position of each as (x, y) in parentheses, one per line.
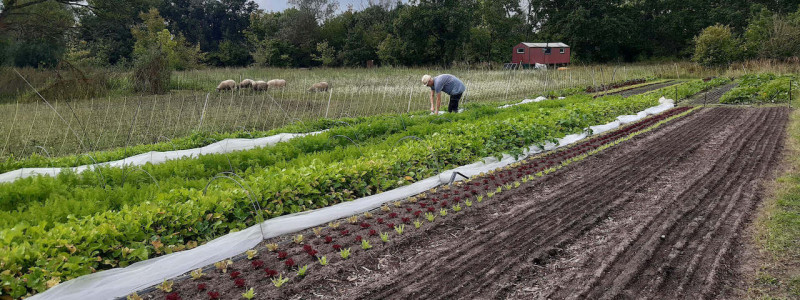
(444, 83)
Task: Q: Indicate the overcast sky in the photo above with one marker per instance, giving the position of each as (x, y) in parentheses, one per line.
(279, 5)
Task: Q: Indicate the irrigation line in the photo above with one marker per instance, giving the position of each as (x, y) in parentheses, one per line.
(453, 177)
(256, 205)
(351, 140)
(49, 157)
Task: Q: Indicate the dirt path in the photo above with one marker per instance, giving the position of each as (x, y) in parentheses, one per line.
(644, 89)
(710, 97)
(660, 216)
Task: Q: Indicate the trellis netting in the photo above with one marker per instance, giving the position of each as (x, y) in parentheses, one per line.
(123, 281)
(156, 157)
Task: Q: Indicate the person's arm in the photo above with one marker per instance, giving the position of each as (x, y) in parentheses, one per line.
(438, 102)
(432, 106)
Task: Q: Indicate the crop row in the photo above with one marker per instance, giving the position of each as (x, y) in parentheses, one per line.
(761, 88)
(174, 214)
(289, 260)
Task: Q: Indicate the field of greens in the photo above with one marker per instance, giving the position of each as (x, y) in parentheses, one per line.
(57, 228)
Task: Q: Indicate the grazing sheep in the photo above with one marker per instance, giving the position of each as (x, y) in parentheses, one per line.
(226, 85)
(247, 83)
(319, 87)
(260, 86)
(276, 83)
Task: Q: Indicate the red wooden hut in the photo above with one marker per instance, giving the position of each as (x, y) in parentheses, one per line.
(528, 54)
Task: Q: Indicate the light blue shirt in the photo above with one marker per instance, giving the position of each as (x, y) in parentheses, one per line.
(449, 84)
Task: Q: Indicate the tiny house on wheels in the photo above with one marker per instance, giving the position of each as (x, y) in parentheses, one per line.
(551, 54)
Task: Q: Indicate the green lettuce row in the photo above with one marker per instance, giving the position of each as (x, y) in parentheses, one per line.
(760, 88)
(181, 217)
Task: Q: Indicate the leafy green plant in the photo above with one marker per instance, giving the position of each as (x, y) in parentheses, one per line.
(345, 253)
(468, 203)
(430, 217)
(252, 253)
(417, 224)
(457, 208)
(250, 294)
(323, 261)
(480, 198)
(365, 244)
(399, 228)
(165, 286)
(280, 281)
(385, 237)
(301, 272)
(443, 212)
(197, 274)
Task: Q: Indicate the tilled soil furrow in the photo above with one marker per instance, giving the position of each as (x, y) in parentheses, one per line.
(718, 179)
(695, 236)
(598, 192)
(617, 254)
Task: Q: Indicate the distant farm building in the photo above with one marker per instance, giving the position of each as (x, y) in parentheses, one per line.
(530, 54)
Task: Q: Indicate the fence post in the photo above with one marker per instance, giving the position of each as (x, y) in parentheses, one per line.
(790, 93)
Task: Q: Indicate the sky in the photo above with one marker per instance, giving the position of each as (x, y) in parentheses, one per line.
(279, 5)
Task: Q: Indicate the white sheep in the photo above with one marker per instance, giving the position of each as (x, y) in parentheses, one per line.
(319, 87)
(226, 85)
(260, 85)
(276, 83)
(247, 83)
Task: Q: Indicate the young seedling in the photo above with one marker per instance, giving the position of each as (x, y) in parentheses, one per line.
(323, 260)
(430, 217)
(499, 189)
(457, 207)
(385, 237)
(516, 184)
(345, 253)
(333, 225)
(301, 272)
(173, 296)
(257, 264)
(249, 294)
(251, 254)
(272, 247)
(165, 286)
(213, 295)
(412, 199)
(443, 212)
(239, 282)
(223, 265)
(197, 274)
(368, 215)
(365, 245)
(352, 219)
(468, 203)
(479, 198)
(280, 281)
(298, 239)
(399, 228)
(397, 204)
(417, 224)
(202, 287)
(134, 296)
(385, 208)
(490, 194)
(317, 231)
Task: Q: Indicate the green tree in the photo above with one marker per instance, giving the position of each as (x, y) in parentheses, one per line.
(716, 46)
(326, 55)
(28, 41)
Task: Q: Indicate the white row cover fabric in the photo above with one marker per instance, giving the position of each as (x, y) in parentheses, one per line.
(155, 157)
(120, 282)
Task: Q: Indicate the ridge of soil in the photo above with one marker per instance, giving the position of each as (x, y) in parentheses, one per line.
(713, 95)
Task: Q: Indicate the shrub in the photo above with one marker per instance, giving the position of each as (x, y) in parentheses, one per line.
(715, 46)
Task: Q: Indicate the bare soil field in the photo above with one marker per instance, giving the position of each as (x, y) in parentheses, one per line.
(644, 89)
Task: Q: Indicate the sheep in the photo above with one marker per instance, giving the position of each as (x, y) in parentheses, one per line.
(260, 86)
(226, 85)
(276, 83)
(247, 83)
(319, 87)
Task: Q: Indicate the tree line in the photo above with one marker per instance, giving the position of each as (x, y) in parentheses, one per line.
(229, 33)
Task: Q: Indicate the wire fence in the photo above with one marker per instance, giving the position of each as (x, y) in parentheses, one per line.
(80, 126)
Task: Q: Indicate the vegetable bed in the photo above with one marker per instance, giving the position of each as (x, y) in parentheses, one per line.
(71, 225)
(761, 89)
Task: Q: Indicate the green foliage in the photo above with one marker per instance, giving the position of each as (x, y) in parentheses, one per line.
(761, 88)
(716, 46)
(345, 253)
(771, 35)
